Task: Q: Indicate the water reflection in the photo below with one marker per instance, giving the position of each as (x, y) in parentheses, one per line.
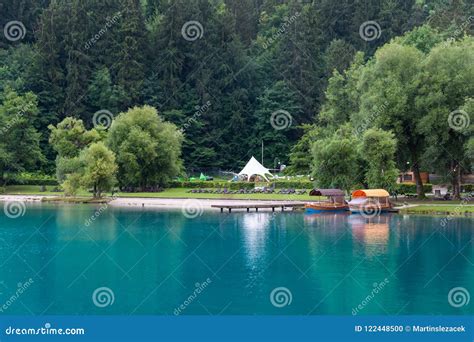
(255, 228)
(153, 259)
(373, 232)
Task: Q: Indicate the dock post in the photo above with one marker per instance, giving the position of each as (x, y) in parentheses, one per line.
(282, 208)
(273, 208)
(222, 209)
(230, 209)
(248, 209)
(256, 208)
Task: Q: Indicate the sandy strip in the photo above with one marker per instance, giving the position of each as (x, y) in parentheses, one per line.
(171, 203)
(21, 198)
(184, 202)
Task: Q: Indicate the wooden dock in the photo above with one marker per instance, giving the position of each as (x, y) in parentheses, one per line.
(257, 206)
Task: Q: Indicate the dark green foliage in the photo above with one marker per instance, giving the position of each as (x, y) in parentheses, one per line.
(410, 188)
(254, 57)
(240, 185)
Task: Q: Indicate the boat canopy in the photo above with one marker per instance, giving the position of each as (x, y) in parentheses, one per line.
(370, 193)
(327, 192)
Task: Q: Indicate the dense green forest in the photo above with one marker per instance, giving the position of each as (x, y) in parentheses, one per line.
(231, 74)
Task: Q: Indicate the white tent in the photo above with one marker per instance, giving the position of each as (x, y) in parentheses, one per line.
(253, 167)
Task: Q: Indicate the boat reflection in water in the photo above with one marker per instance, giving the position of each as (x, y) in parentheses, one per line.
(371, 232)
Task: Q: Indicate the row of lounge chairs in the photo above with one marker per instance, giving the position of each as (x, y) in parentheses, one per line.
(248, 191)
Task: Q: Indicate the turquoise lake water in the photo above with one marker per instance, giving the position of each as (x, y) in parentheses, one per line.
(141, 261)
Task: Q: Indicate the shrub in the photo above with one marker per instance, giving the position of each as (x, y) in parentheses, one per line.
(240, 185)
(31, 178)
(467, 187)
(410, 188)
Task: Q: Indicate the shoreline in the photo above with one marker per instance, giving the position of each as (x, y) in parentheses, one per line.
(167, 203)
(206, 203)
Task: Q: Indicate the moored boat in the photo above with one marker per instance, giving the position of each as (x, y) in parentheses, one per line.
(334, 201)
(370, 201)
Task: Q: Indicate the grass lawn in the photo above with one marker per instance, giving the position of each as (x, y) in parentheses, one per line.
(453, 208)
(168, 193)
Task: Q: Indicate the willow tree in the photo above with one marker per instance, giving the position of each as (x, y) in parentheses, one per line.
(445, 97)
(148, 149)
(389, 94)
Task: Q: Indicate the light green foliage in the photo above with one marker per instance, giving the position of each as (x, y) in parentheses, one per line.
(335, 161)
(378, 149)
(449, 112)
(148, 149)
(70, 136)
(99, 168)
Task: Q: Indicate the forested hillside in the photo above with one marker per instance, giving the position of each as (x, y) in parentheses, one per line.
(218, 69)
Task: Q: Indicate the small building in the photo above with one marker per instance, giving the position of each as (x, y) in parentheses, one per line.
(409, 177)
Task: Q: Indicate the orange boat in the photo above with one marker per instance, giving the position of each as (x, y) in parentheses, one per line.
(335, 201)
(370, 201)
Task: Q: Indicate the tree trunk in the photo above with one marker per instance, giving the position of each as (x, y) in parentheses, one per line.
(456, 180)
(419, 184)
